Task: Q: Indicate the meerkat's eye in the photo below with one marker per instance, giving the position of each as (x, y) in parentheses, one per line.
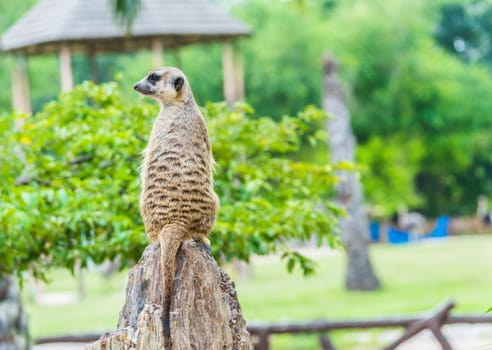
(178, 83)
(153, 77)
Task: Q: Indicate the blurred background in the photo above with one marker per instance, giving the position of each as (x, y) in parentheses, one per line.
(414, 79)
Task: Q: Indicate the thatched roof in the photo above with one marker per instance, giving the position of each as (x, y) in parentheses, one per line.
(90, 24)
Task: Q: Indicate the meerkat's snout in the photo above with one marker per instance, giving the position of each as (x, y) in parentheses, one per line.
(144, 88)
(147, 86)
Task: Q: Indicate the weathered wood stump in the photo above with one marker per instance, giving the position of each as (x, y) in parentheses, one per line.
(205, 312)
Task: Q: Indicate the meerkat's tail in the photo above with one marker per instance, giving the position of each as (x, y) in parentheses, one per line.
(170, 239)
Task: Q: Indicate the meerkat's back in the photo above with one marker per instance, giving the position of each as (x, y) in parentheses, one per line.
(177, 199)
(177, 183)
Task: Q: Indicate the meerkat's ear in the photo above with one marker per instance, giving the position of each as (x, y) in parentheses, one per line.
(178, 84)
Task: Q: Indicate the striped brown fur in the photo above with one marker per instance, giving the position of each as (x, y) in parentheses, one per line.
(177, 200)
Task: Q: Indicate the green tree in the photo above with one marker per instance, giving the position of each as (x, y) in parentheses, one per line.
(390, 163)
(400, 81)
(70, 183)
(126, 11)
(465, 29)
(283, 69)
(403, 83)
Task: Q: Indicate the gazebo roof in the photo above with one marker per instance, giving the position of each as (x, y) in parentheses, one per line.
(90, 24)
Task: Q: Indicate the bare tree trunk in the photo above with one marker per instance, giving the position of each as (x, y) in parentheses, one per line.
(14, 333)
(355, 228)
(205, 312)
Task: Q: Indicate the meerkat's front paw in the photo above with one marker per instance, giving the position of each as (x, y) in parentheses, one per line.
(202, 239)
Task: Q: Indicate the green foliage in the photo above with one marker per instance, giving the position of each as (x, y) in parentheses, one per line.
(126, 11)
(401, 83)
(70, 185)
(391, 165)
(465, 29)
(254, 176)
(204, 70)
(283, 61)
(431, 100)
(370, 55)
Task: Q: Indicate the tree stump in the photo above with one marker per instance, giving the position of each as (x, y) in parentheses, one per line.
(205, 312)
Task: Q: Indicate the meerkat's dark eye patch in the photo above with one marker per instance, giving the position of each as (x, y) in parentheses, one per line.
(153, 78)
(178, 84)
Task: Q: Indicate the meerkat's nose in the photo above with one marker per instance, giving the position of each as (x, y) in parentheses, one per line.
(135, 86)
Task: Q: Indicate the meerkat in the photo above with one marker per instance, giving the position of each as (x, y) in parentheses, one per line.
(177, 200)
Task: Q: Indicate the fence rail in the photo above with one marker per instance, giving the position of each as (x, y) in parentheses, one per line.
(262, 331)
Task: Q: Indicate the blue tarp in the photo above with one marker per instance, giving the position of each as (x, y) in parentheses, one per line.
(374, 231)
(441, 228)
(396, 236)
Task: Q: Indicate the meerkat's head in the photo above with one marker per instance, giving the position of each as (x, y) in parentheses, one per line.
(165, 85)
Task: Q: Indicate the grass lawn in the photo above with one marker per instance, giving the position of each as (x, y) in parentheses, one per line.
(415, 278)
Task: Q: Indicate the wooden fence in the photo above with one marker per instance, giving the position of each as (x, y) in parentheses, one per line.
(262, 332)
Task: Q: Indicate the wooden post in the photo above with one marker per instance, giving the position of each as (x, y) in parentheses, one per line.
(263, 341)
(228, 73)
(91, 57)
(239, 74)
(326, 343)
(21, 98)
(66, 76)
(157, 50)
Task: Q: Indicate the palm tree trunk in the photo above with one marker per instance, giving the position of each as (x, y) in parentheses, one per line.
(355, 227)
